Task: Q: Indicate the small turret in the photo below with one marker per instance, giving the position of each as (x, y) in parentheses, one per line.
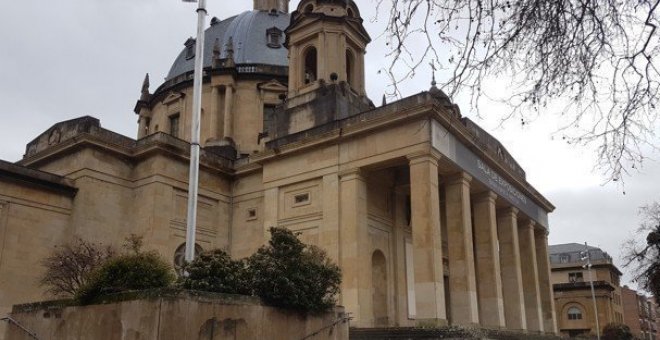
(325, 38)
(216, 53)
(281, 6)
(230, 53)
(145, 89)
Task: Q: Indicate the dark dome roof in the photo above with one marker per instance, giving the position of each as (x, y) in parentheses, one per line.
(248, 31)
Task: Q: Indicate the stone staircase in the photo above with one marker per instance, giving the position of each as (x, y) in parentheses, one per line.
(441, 333)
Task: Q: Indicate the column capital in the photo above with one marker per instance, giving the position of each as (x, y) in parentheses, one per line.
(351, 174)
(484, 196)
(527, 224)
(424, 156)
(541, 232)
(509, 210)
(459, 178)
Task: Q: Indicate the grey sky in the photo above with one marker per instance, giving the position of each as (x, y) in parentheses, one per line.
(68, 58)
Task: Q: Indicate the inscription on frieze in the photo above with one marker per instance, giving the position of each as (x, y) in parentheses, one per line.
(451, 148)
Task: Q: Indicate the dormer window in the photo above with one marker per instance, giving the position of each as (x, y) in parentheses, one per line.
(274, 37)
(190, 48)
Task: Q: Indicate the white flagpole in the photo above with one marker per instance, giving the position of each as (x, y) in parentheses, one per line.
(593, 293)
(193, 182)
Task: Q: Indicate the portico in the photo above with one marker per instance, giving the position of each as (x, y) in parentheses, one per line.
(433, 229)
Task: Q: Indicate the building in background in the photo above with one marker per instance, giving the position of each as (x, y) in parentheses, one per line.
(640, 314)
(572, 289)
(431, 220)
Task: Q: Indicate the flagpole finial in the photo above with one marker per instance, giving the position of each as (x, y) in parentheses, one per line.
(433, 83)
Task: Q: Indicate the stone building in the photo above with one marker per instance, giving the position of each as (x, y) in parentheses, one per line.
(431, 220)
(641, 314)
(572, 289)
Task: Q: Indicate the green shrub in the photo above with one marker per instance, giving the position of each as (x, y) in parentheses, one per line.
(289, 274)
(215, 271)
(616, 331)
(135, 270)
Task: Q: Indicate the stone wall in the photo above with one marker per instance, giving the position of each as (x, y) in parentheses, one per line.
(174, 315)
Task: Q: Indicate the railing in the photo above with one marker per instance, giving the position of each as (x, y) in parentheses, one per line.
(345, 317)
(11, 321)
(582, 285)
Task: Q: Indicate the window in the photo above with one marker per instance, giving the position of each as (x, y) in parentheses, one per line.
(575, 277)
(310, 66)
(301, 199)
(180, 257)
(252, 214)
(574, 313)
(564, 258)
(274, 37)
(147, 123)
(349, 67)
(174, 125)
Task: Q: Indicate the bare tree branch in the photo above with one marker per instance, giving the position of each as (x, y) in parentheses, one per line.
(596, 59)
(644, 257)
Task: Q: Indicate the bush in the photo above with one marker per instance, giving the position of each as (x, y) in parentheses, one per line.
(616, 331)
(215, 271)
(136, 270)
(69, 266)
(290, 274)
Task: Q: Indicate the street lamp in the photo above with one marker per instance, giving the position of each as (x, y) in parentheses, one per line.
(193, 181)
(586, 256)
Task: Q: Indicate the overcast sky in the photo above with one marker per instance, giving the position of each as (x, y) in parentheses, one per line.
(68, 58)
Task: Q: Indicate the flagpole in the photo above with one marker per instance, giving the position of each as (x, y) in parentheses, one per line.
(193, 181)
(593, 293)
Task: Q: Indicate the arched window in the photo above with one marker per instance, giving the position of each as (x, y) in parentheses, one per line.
(309, 8)
(574, 313)
(350, 13)
(310, 72)
(350, 61)
(180, 257)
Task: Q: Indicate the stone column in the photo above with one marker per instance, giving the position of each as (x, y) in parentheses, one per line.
(426, 240)
(487, 258)
(545, 286)
(355, 259)
(400, 269)
(229, 119)
(530, 276)
(214, 113)
(329, 231)
(462, 281)
(512, 287)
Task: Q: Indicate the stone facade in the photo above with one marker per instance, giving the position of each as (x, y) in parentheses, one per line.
(572, 289)
(174, 316)
(430, 219)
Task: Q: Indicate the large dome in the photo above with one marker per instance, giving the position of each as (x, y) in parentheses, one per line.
(249, 32)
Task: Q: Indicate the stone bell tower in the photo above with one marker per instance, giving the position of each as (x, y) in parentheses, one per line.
(269, 5)
(327, 43)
